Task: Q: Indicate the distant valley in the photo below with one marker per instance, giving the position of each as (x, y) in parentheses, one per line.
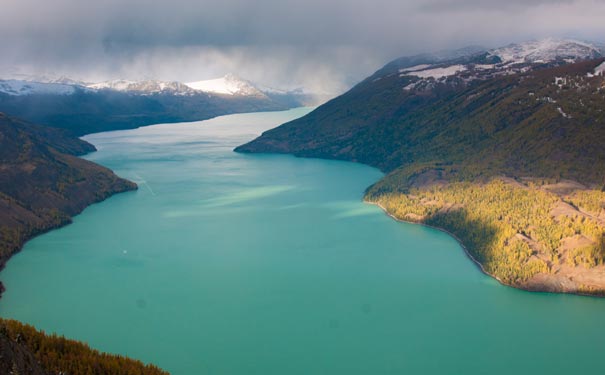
(84, 108)
(44, 183)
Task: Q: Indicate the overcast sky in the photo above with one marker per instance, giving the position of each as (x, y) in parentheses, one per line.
(321, 44)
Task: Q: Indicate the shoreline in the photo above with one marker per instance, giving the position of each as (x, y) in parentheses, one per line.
(4, 259)
(36, 233)
(477, 263)
(466, 251)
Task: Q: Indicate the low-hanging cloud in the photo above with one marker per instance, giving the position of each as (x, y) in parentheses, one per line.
(323, 45)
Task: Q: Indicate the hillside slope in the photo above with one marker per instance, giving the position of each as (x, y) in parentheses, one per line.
(122, 104)
(85, 112)
(24, 350)
(43, 184)
(519, 129)
(495, 125)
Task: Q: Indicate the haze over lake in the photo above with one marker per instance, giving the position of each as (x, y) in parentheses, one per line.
(224, 263)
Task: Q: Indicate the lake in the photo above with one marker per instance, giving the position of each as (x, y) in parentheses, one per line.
(225, 263)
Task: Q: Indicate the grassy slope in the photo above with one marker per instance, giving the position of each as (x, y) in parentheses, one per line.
(441, 146)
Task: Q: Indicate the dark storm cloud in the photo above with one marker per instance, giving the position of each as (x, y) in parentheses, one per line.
(453, 5)
(279, 41)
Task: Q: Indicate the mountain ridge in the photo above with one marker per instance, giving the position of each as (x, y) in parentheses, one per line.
(479, 125)
(123, 104)
(230, 84)
(43, 183)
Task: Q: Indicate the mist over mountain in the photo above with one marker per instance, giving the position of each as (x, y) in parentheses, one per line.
(318, 45)
(345, 126)
(83, 108)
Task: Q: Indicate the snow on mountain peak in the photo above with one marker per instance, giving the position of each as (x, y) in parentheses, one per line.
(599, 70)
(546, 50)
(146, 87)
(118, 84)
(18, 88)
(439, 72)
(227, 85)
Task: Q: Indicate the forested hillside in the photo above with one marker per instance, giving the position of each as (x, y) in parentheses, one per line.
(43, 183)
(504, 151)
(27, 351)
(84, 112)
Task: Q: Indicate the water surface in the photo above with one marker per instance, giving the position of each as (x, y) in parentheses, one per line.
(223, 263)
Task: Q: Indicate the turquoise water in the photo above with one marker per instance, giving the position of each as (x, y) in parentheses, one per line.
(223, 263)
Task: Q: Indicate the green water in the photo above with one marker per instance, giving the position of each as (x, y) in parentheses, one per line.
(224, 263)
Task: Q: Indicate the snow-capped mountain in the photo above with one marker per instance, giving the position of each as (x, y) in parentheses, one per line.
(428, 71)
(18, 88)
(15, 82)
(547, 50)
(14, 75)
(65, 81)
(123, 104)
(144, 87)
(227, 85)
(598, 71)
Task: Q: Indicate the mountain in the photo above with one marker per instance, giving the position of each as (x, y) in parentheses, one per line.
(43, 184)
(297, 97)
(502, 148)
(389, 107)
(227, 85)
(84, 108)
(18, 88)
(547, 50)
(87, 111)
(148, 87)
(24, 350)
(15, 75)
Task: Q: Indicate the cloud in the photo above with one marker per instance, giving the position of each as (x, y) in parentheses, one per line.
(440, 6)
(322, 44)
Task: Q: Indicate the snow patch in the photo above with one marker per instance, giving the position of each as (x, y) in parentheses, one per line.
(484, 66)
(563, 113)
(438, 72)
(410, 87)
(600, 70)
(560, 81)
(148, 87)
(227, 85)
(414, 68)
(118, 85)
(17, 88)
(545, 50)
